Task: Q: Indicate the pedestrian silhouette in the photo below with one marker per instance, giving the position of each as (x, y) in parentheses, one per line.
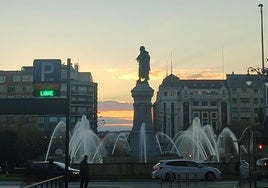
(84, 172)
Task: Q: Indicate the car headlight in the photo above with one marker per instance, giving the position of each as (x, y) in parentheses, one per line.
(217, 170)
(75, 173)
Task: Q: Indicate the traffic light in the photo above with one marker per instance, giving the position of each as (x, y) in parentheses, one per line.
(260, 146)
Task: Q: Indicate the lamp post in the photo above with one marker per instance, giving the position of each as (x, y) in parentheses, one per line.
(169, 123)
(68, 100)
(263, 71)
(262, 44)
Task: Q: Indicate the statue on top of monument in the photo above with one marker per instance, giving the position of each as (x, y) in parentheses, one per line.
(144, 65)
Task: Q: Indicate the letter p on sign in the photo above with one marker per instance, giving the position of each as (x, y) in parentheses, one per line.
(47, 68)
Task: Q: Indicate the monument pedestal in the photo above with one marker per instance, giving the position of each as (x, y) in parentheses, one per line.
(142, 94)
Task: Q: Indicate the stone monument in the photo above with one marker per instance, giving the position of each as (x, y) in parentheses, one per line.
(142, 94)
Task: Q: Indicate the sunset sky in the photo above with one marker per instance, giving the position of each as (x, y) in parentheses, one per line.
(203, 39)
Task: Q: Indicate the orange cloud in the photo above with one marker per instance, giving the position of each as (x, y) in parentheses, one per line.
(118, 114)
(208, 74)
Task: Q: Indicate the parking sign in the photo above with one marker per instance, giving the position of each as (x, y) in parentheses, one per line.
(46, 77)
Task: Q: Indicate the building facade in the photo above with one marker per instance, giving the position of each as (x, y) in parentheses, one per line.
(215, 102)
(83, 99)
(247, 101)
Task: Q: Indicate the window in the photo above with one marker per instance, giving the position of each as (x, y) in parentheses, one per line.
(196, 114)
(235, 110)
(204, 103)
(73, 110)
(244, 110)
(213, 103)
(82, 99)
(26, 78)
(205, 123)
(73, 89)
(213, 115)
(2, 79)
(192, 164)
(195, 103)
(244, 90)
(256, 91)
(256, 110)
(234, 91)
(16, 78)
(214, 125)
(234, 100)
(25, 89)
(165, 93)
(82, 110)
(10, 89)
(256, 101)
(176, 163)
(82, 89)
(205, 115)
(244, 100)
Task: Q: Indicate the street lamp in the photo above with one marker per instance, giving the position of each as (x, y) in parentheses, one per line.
(169, 123)
(262, 44)
(263, 71)
(260, 71)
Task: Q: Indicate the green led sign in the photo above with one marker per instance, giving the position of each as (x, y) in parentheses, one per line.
(47, 93)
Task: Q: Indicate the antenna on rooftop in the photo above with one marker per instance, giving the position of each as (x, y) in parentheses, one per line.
(222, 59)
(171, 64)
(166, 68)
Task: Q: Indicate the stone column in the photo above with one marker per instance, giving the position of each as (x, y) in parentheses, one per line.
(142, 94)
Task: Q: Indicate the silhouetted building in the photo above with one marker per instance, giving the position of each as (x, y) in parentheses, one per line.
(84, 93)
(215, 102)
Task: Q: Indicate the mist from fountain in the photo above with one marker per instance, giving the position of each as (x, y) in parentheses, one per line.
(142, 144)
(167, 143)
(227, 132)
(194, 143)
(57, 141)
(85, 142)
(201, 143)
(125, 140)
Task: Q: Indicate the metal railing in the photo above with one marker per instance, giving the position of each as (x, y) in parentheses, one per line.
(189, 180)
(57, 182)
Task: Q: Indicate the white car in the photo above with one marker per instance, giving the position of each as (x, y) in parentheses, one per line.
(184, 169)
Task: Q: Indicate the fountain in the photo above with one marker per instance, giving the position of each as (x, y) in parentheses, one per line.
(125, 145)
(201, 143)
(197, 143)
(85, 142)
(57, 141)
(143, 144)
